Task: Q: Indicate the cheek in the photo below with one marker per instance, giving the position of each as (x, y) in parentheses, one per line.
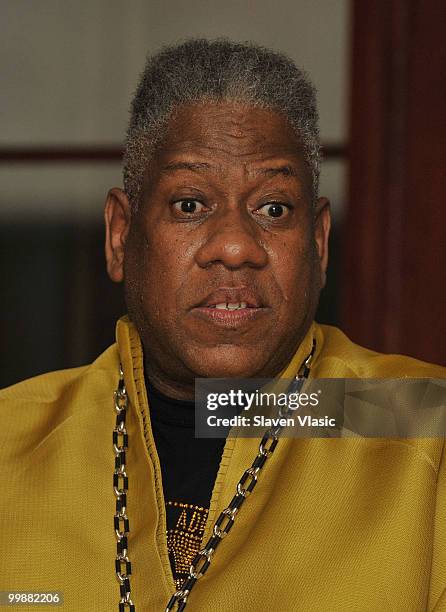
(292, 263)
(163, 272)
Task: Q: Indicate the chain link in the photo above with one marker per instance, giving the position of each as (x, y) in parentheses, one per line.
(246, 484)
(123, 567)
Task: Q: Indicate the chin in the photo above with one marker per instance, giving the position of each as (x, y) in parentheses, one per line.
(226, 363)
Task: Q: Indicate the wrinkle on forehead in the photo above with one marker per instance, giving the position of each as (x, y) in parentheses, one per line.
(216, 125)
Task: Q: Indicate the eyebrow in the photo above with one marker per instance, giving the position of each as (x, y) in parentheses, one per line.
(286, 170)
(174, 166)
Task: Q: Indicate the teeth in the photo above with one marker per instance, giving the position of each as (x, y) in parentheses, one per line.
(231, 305)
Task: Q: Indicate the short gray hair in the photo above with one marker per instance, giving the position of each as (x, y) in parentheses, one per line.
(217, 70)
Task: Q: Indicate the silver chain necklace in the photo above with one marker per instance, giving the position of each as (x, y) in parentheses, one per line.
(123, 566)
(222, 526)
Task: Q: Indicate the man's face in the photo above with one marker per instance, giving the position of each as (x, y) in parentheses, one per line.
(226, 255)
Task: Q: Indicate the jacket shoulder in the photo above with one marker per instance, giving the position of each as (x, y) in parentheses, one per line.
(46, 411)
(344, 358)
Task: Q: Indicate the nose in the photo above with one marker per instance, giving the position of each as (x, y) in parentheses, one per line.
(233, 241)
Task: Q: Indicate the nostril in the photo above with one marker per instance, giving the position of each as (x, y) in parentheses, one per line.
(233, 249)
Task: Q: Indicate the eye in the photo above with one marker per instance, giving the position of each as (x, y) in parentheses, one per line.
(273, 209)
(188, 206)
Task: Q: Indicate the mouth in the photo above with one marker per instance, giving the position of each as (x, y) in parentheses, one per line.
(231, 307)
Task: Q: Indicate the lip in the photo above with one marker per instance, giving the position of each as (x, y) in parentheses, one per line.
(255, 307)
(232, 295)
(229, 318)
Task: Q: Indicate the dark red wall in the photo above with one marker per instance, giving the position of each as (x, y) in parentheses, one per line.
(394, 261)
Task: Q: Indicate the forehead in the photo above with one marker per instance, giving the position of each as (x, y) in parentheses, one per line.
(229, 133)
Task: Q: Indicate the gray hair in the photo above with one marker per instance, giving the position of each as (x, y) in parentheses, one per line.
(217, 70)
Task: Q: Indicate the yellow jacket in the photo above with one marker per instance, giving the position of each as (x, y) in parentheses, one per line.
(333, 524)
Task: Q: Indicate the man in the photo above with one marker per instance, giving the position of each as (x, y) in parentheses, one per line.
(221, 241)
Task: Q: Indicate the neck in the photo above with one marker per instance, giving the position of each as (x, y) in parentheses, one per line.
(175, 390)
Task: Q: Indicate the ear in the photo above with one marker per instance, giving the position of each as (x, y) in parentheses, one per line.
(322, 224)
(117, 224)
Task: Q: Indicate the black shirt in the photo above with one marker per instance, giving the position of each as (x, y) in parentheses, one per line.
(189, 467)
